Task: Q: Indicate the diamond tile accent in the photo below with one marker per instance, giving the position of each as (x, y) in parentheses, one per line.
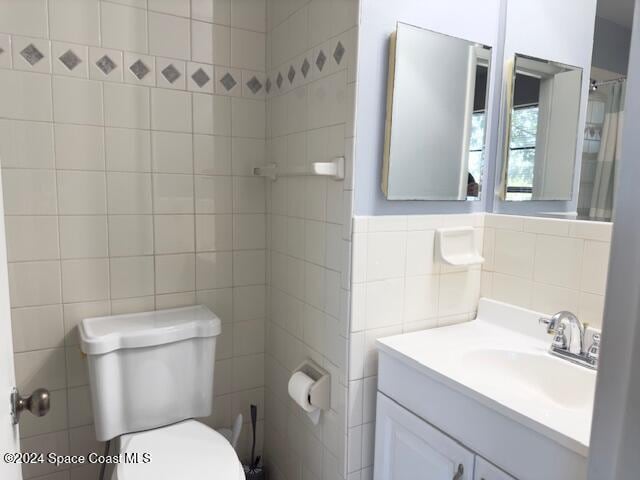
(201, 78)
(31, 54)
(292, 73)
(279, 80)
(105, 64)
(228, 82)
(305, 68)
(139, 69)
(254, 85)
(70, 59)
(321, 60)
(267, 85)
(171, 73)
(338, 53)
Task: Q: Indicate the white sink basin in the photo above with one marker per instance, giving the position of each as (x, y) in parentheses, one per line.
(532, 377)
(501, 362)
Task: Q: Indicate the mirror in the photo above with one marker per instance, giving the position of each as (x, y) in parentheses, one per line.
(544, 114)
(601, 147)
(435, 127)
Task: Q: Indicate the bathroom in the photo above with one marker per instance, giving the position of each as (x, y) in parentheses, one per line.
(251, 172)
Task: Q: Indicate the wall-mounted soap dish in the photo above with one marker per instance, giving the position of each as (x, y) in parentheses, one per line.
(457, 246)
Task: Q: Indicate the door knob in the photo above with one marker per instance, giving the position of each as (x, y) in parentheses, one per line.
(38, 403)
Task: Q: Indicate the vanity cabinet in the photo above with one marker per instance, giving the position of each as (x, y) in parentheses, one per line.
(407, 448)
(450, 394)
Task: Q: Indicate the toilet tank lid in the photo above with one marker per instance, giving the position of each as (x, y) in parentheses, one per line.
(101, 335)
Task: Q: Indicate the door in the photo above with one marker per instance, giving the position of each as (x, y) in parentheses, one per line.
(486, 471)
(9, 438)
(408, 448)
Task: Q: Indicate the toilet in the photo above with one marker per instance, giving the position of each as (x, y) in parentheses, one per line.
(151, 376)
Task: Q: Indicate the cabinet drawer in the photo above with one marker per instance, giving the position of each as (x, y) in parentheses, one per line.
(408, 448)
(486, 471)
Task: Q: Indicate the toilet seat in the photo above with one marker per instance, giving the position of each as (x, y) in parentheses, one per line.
(187, 449)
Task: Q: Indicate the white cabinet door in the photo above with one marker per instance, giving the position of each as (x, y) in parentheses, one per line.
(486, 471)
(408, 448)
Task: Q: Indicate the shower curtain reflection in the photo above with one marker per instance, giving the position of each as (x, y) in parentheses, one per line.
(601, 151)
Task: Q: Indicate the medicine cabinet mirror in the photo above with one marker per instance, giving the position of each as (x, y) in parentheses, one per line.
(435, 126)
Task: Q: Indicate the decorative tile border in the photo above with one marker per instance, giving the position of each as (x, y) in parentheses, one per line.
(200, 77)
(105, 64)
(321, 60)
(338, 53)
(95, 63)
(171, 73)
(255, 83)
(5, 51)
(228, 81)
(31, 54)
(305, 67)
(324, 60)
(68, 59)
(139, 69)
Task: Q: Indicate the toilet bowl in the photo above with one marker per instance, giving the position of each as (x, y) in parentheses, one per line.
(151, 375)
(188, 449)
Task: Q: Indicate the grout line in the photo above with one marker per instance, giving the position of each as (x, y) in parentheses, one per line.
(152, 178)
(106, 190)
(195, 193)
(59, 261)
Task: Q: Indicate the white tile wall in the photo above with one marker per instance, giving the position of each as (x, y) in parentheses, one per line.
(71, 21)
(25, 96)
(547, 264)
(124, 27)
(398, 285)
(118, 196)
(309, 220)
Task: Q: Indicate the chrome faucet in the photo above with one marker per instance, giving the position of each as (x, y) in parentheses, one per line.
(555, 325)
(569, 339)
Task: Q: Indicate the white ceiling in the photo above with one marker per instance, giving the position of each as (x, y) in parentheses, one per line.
(618, 11)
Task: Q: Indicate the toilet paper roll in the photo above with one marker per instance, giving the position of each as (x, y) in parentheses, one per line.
(300, 390)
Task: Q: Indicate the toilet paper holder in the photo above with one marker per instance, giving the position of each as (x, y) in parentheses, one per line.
(320, 393)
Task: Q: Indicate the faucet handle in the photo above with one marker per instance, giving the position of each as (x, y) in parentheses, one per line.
(594, 350)
(560, 339)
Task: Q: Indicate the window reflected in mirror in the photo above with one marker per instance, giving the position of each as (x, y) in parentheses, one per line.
(522, 151)
(540, 153)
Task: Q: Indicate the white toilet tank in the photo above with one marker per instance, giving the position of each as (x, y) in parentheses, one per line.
(150, 369)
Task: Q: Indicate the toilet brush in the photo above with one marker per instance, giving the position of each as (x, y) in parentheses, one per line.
(253, 471)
